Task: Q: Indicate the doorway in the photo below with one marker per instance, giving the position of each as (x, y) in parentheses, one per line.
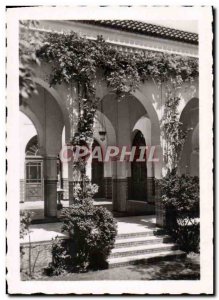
(138, 171)
(97, 173)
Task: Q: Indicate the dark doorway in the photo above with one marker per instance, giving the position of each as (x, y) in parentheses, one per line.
(97, 175)
(138, 171)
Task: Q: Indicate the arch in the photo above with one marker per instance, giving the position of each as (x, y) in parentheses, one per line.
(59, 101)
(27, 112)
(144, 107)
(123, 113)
(43, 108)
(195, 138)
(194, 157)
(98, 127)
(189, 163)
(190, 113)
(155, 124)
(156, 169)
(110, 130)
(144, 125)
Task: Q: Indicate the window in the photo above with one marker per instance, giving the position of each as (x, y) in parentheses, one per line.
(32, 148)
(33, 172)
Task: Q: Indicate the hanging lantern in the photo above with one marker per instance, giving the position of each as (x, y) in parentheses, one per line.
(102, 135)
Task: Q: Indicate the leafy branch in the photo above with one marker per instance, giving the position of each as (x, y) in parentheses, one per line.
(76, 60)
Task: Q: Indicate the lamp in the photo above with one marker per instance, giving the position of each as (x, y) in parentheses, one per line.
(102, 133)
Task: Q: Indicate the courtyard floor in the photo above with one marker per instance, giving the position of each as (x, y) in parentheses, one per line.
(37, 207)
(48, 231)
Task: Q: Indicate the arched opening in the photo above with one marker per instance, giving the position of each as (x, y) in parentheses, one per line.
(194, 158)
(97, 172)
(189, 163)
(138, 170)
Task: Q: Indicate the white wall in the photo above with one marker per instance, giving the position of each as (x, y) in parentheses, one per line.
(27, 131)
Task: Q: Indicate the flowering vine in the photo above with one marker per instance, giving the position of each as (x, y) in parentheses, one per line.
(77, 60)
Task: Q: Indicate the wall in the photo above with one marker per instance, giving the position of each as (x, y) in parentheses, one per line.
(27, 131)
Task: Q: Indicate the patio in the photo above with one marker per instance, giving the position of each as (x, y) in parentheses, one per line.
(127, 225)
(37, 208)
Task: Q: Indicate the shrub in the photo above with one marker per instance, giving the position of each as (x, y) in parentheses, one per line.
(92, 232)
(187, 235)
(180, 196)
(103, 237)
(181, 193)
(25, 221)
(59, 258)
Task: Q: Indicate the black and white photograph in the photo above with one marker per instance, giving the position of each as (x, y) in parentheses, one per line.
(110, 150)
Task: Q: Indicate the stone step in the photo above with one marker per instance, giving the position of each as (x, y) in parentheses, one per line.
(148, 257)
(149, 232)
(142, 249)
(142, 240)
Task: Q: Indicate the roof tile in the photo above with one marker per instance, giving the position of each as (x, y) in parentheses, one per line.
(147, 29)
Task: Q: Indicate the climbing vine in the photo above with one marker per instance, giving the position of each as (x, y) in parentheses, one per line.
(29, 41)
(77, 60)
(172, 134)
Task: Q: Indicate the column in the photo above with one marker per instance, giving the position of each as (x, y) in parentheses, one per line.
(65, 180)
(159, 208)
(150, 183)
(120, 185)
(108, 180)
(73, 179)
(50, 186)
(70, 183)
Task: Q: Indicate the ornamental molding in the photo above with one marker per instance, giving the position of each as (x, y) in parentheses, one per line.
(121, 40)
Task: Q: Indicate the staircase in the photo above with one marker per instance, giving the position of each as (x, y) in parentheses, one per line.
(146, 246)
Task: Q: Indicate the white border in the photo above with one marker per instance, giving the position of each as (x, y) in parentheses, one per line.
(205, 285)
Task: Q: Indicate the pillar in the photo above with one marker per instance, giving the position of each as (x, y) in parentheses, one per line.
(120, 185)
(150, 183)
(50, 186)
(73, 179)
(70, 182)
(65, 180)
(108, 180)
(70, 191)
(159, 208)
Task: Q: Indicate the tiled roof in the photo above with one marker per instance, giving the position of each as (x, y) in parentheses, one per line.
(147, 29)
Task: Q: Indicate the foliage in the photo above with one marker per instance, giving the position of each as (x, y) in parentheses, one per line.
(76, 59)
(92, 232)
(25, 221)
(180, 196)
(59, 258)
(172, 133)
(187, 235)
(29, 41)
(180, 193)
